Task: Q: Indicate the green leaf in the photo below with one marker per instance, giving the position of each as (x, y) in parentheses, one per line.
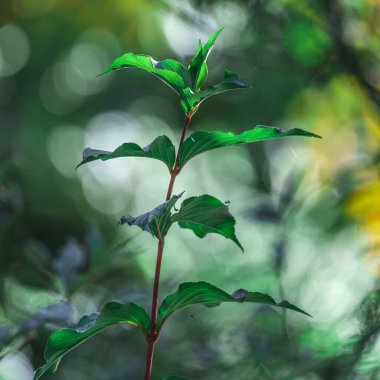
(160, 149)
(63, 341)
(147, 221)
(231, 81)
(175, 378)
(191, 100)
(185, 82)
(191, 293)
(171, 72)
(200, 142)
(198, 67)
(206, 214)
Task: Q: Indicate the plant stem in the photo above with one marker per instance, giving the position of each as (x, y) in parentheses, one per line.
(153, 337)
(175, 169)
(149, 360)
(152, 334)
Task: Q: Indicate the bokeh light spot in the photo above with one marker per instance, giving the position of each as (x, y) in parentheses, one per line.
(14, 49)
(16, 367)
(55, 92)
(65, 145)
(88, 61)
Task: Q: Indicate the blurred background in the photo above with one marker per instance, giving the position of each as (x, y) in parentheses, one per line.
(308, 211)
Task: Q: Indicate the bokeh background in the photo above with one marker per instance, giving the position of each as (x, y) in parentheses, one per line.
(308, 211)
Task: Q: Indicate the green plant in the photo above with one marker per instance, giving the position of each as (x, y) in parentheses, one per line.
(203, 214)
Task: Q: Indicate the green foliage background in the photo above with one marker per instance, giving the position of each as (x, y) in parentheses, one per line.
(307, 210)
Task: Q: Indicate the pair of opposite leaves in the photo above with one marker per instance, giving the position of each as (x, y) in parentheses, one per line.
(113, 313)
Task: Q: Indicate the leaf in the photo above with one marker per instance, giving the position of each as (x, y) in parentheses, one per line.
(175, 378)
(191, 100)
(63, 341)
(160, 149)
(171, 72)
(231, 81)
(200, 142)
(191, 293)
(146, 221)
(206, 214)
(198, 67)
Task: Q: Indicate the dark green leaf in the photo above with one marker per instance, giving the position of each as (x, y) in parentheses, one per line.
(191, 293)
(173, 73)
(175, 378)
(191, 100)
(160, 149)
(63, 341)
(147, 221)
(200, 142)
(206, 214)
(198, 67)
(169, 71)
(231, 81)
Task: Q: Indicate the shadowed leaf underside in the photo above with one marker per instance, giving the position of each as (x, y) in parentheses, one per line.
(147, 222)
(161, 149)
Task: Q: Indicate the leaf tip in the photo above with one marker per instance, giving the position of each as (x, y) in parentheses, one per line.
(307, 314)
(220, 30)
(310, 134)
(106, 71)
(288, 305)
(80, 164)
(237, 242)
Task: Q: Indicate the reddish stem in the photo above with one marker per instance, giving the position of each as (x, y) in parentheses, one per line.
(149, 360)
(153, 337)
(152, 334)
(175, 169)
